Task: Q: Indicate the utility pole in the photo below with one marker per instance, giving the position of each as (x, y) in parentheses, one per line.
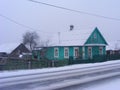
(59, 37)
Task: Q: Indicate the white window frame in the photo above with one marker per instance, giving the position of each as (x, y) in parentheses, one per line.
(90, 55)
(100, 50)
(95, 35)
(56, 56)
(66, 48)
(75, 52)
(83, 52)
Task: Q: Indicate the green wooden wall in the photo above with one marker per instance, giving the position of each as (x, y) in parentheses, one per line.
(95, 40)
(49, 54)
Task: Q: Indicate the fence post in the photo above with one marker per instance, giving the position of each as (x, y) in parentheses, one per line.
(29, 64)
(52, 63)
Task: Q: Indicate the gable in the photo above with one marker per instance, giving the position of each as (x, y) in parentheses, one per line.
(96, 38)
(19, 50)
(22, 48)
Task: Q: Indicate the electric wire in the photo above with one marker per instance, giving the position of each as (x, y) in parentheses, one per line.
(77, 11)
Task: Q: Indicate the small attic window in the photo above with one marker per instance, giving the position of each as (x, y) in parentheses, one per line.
(95, 36)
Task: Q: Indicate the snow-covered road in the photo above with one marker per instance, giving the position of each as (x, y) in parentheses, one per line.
(106, 84)
(76, 68)
(109, 85)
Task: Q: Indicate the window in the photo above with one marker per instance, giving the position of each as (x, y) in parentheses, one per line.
(76, 52)
(101, 50)
(90, 52)
(66, 52)
(56, 52)
(35, 54)
(95, 36)
(18, 52)
(83, 52)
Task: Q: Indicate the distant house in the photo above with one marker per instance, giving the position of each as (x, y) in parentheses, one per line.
(75, 44)
(13, 50)
(3, 54)
(113, 48)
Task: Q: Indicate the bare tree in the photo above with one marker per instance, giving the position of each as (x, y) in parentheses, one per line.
(30, 39)
(45, 43)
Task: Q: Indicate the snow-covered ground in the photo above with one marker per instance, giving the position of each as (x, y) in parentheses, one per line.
(45, 70)
(112, 85)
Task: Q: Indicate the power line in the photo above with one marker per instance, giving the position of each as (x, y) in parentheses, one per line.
(11, 20)
(20, 24)
(23, 25)
(77, 11)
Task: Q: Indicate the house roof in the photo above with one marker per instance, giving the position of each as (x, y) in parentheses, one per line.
(71, 38)
(96, 38)
(113, 45)
(8, 47)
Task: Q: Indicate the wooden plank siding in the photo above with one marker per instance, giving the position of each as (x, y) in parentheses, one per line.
(94, 45)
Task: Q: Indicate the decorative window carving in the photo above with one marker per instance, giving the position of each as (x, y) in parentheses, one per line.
(101, 50)
(76, 52)
(83, 52)
(66, 52)
(90, 52)
(56, 52)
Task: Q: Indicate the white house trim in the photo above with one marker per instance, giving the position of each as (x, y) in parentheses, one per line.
(66, 52)
(56, 52)
(90, 52)
(83, 52)
(76, 52)
(100, 50)
(94, 45)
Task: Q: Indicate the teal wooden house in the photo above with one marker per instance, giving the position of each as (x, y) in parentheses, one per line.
(76, 44)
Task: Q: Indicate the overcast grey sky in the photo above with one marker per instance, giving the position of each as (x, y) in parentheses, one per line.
(48, 20)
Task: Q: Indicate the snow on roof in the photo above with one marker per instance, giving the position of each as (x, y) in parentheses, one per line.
(113, 45)
(8, 47)
(71, 38)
